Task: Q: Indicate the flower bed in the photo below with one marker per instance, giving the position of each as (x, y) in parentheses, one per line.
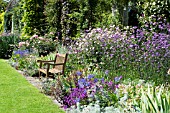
(85, 93)
(118, 69)
(131, 52)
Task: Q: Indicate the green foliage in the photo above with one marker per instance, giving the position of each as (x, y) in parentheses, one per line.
(155, 101)
(158, 8)
(7, 22)
(25, 61)
(33, 18)
(108, 19)
(2, 22)
(70, 18)
(7, 44)
(48, 86)
(43, 45)
(3, 5)
(18, 13)
(53, 15)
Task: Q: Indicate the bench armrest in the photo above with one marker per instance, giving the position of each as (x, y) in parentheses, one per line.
(45, 60)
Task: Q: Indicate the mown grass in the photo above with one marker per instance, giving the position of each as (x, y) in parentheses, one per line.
(17, 95)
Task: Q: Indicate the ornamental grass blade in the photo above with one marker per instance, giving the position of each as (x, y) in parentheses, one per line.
(162, 103)
(167, 105)
(157, 103)
(152, 105)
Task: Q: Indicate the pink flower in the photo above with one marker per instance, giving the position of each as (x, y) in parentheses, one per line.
(41, 38)
(110, 83)
(23, 43)
(34, 36)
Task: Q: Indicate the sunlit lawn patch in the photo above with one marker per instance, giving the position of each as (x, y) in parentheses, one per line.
(18, 96)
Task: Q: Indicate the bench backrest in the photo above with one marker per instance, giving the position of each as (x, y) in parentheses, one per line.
(60, 58)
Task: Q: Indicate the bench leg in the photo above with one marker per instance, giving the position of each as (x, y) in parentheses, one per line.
(39, 74)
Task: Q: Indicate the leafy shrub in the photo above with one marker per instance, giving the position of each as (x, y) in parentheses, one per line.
(25, 61)
(48, 86)
(44, 45)
(7, 44)
(158, 8)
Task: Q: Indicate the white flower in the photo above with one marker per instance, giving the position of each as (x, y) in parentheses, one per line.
(168, 71)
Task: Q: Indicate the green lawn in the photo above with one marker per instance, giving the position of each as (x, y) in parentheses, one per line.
(17, 95)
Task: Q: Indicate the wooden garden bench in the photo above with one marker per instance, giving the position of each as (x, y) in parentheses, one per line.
(58, 65)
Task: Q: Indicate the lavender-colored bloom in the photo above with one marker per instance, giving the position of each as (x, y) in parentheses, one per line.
(135, 27)
(106, 72)
(111, 55)
(21, 52)
(87, 84)
(81, 85)
(83, 80)
(90, 76)
(131, 46)
(102, 80)
(117, 79)
(95, 80)
(77, 100)
(78, 73)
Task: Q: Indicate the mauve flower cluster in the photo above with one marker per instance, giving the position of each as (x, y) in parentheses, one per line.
(90, 89)
(138, 48)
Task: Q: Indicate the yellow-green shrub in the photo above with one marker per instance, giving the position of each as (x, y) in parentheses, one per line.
(2, 22)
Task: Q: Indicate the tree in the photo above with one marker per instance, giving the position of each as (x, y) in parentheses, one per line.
(33, 18)
(53, 13)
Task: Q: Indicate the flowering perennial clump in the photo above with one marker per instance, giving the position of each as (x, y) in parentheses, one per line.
(88, 89)
(145, 51)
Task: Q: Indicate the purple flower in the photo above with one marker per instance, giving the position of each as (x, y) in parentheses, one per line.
(95, 80)
(81, 85)
(77, 100)
(21, 52)
(90, 76)
(116, 86)
(106, 72)
(131, 46)
(102, 80)
(117, 79)
(78, 73)
(111, 55)
(83, 80)
(110, 83)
